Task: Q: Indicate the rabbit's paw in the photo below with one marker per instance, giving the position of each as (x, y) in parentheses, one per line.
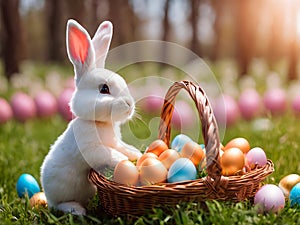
(72, 207)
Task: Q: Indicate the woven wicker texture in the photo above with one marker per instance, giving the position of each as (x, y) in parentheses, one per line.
(118, 199)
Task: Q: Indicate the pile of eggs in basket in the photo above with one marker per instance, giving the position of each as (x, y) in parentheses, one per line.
(185, 161)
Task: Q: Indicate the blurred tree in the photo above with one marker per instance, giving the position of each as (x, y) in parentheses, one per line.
(194, 18)
(56, 27)
(12, 42)
(166, 22)
(76, 10)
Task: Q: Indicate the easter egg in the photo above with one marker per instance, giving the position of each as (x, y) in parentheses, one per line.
(182, 169)
(296, 104)
(179, 141)
(145, 156)
(193, 151)
(126, 173)
(183, 115)
(23, 107)
(226, 110)
(240, 143)
(250, 104)
(157, 147)
(46, 104)
(295, 195)
(275, 101)
(63, 104)
(153, 103)
(269, 198)
(27, 184)
(6, 112)
(152, 171)
(256, 157)
(232, 161)
(38, 200)
(288, 182)
(168, 157)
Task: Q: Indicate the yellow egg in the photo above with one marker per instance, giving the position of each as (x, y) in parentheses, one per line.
(152, 171)
(232, 161)
(240, 143)
(38, 200)
(145, 156)
(288, 182)
(157, 147)
(168, 157)
(126, 173)
(193, 151)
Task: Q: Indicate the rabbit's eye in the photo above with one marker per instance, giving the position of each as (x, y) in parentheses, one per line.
(104, 89)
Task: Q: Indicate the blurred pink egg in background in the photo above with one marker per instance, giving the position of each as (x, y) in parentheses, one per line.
(296, 105)
(23, 106)
(63, 104)
(249, 104)
(275, 101)
(6, 112)
(46, 104)
(226, 110)
(183, 115)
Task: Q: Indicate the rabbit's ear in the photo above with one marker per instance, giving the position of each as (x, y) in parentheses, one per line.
(79, 47)
(101, 42)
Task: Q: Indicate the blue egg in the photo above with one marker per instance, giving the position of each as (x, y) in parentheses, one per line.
(27, 184)
(179, 141)
(182, 169)
(295, 195)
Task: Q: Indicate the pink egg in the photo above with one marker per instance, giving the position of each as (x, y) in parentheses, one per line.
(6, 112)
(70, 83)
(63, 104)
(46, 104)
(275, 101)
(256, 157)
(153, 103)
(183, 115)
(226, 110)
(249, 104)
(23, 107)
(296, 105)
(269, 198)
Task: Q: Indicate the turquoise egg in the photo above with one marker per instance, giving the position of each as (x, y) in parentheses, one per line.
(182, 169)
(179, 141)
(295, 195)
(27, 184)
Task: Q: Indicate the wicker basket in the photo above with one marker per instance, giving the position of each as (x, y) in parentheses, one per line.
(118, 199)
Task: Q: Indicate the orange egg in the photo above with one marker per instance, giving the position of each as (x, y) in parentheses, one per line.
(157, 147)
(168, 157)
(240, 143)
(232, 161)
(145, 156)
(126, 173)
(152, 171)
(193, 151)
(38, 200)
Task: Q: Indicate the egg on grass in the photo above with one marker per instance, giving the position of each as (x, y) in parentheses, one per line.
(288, 182)
(46, 104)
(275, 101)
(63, 104)
(295, 195)
(6, 112)
(23, 106)
(27, 184)
(250, 104)
(38, 200)
(269, 198)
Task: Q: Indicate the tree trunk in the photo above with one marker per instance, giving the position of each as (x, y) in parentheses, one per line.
(12, 37)
(55, 30)
(194, 23)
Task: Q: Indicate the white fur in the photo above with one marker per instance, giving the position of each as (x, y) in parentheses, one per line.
(93, 138)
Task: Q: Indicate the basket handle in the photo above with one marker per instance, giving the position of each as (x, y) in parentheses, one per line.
(210, 131)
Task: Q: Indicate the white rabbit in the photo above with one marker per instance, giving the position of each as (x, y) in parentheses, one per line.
(101, 102)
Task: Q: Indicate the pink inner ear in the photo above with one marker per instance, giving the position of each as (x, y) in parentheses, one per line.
(78, 44)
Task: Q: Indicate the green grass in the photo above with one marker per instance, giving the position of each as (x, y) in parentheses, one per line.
(23, 147)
